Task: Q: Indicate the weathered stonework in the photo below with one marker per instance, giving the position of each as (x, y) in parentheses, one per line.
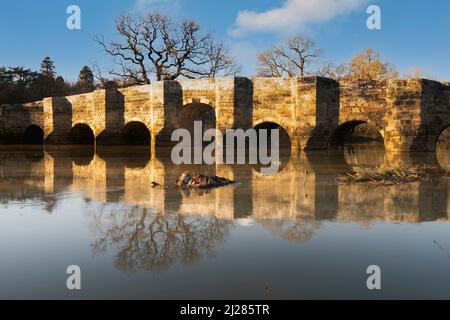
(314, 111)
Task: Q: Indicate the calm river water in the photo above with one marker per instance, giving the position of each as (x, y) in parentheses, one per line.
(296, 235)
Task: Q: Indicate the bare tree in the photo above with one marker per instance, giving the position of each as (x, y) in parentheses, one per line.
(290, 58)
(369, 66)
(330, 70)
(221, 62)
(414, 73)
(270, 65)
(155, 47)
(154, 242)
(98, 74)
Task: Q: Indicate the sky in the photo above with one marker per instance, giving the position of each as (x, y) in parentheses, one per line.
(414, 33)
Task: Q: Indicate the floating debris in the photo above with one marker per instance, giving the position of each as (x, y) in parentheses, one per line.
(201, 181)
(393, 175)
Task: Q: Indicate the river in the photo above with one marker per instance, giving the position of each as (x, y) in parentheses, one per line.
(299, 234)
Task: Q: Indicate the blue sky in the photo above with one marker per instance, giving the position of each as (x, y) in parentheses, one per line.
(414, 33)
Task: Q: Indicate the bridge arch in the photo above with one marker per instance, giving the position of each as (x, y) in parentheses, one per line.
(204, 101)
(81, 134)
(285, 137)
(197, 111)
(443, 139)
(356, 131)
(443, 148)
(136, 133)
(285, 143)
(33, 135)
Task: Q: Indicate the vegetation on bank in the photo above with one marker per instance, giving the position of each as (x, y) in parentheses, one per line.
(393, 175)
(19, 85)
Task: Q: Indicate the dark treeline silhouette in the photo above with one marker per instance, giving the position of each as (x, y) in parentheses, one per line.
(19, 85)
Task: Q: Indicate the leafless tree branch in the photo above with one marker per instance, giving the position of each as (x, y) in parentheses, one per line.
(154, 47)
(290, 58)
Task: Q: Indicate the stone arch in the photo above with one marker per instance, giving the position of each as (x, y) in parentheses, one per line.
(285, 143)
(443, 138)
(196, 111)
(81, 134)
(285, 137)
(33, 135)
(443, 148)
(344, 133)
(204, 101)
(136, 133)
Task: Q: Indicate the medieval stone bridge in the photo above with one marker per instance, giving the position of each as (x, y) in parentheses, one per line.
(315, 112)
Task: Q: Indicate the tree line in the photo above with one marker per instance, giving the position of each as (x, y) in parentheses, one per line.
(19, 85)
(299, 56)
(153, 48)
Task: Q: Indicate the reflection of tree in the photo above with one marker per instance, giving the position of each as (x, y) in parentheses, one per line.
(153, 242)
(291, 230)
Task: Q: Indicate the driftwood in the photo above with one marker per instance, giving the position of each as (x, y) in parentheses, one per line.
(200, 181)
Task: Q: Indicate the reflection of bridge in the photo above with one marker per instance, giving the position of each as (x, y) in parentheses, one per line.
(154, 228)
(305, 189)
(315, 112)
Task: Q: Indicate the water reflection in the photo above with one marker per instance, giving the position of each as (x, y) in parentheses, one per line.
(148, 241)
(156, 228)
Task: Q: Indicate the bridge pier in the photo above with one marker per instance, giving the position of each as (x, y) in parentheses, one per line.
(409, 114)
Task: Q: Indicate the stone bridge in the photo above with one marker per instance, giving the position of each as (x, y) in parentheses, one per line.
(314, 112)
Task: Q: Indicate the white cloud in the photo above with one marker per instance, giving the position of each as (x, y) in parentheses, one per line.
(292, 15)
(246, 53)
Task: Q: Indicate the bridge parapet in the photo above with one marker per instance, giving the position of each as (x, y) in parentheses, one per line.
(314, 111)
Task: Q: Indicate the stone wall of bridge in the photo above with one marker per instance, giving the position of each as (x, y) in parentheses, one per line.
(315, 112)
(14, 119)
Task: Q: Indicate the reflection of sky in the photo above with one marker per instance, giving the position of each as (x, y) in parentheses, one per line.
(245, 222)
(37, 247)
(295, 235)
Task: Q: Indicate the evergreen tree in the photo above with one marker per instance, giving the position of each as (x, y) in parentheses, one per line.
(87, 75)
(85, 80)
(48, 68)
(46, 83)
